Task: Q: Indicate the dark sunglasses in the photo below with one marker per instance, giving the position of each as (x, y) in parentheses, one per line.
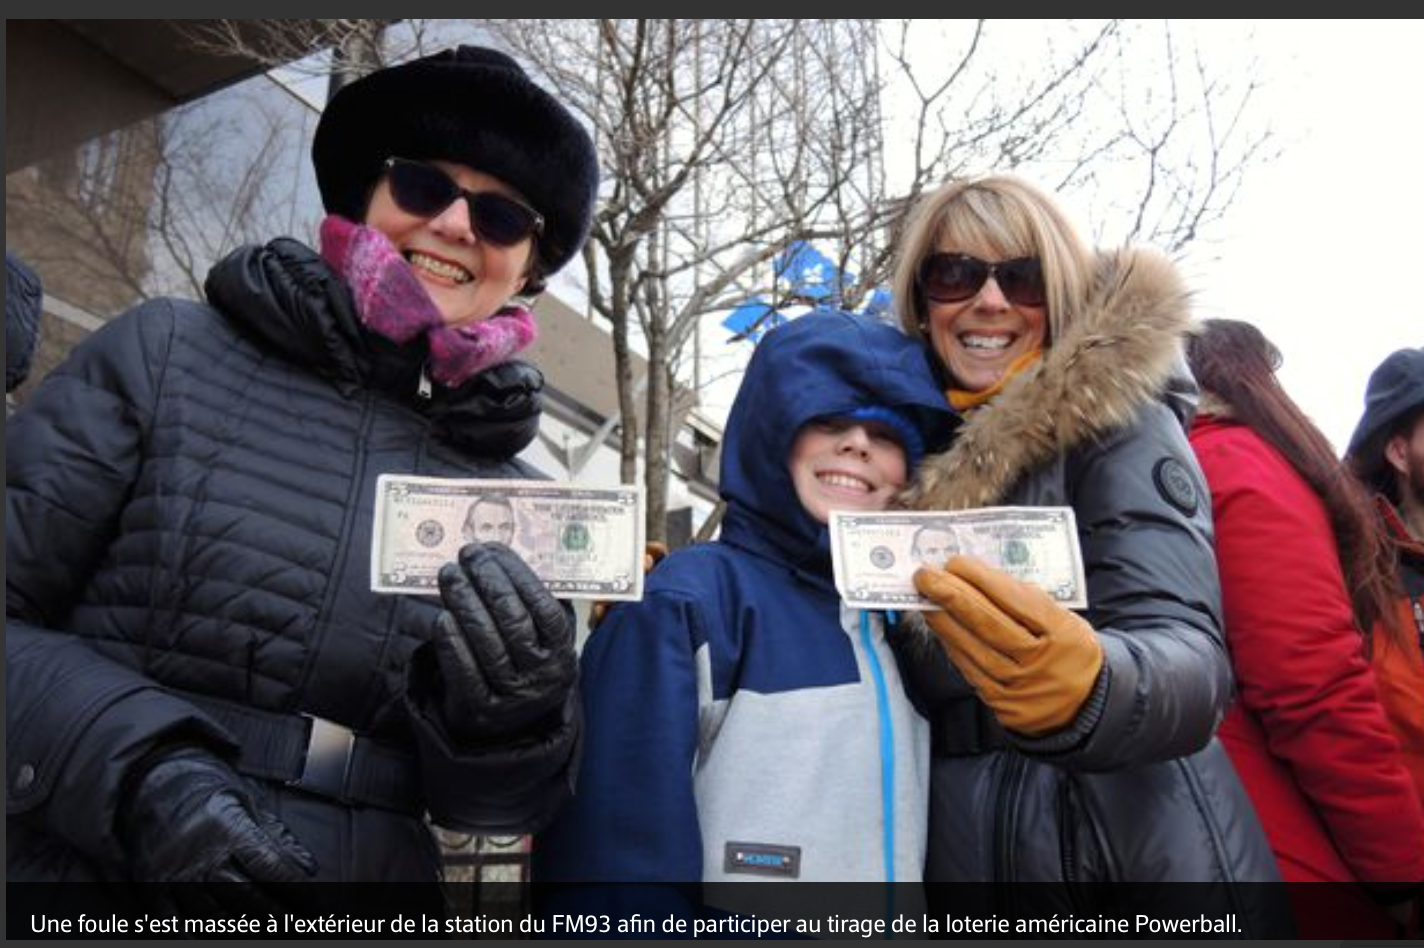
(426, 191)
(955, 277)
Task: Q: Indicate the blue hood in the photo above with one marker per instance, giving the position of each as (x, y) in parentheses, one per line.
(824, 363)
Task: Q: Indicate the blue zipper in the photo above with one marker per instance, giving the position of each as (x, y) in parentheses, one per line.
(887, 761)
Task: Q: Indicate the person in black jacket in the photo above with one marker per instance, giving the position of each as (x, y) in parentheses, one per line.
(201, 686)
(1073, 750)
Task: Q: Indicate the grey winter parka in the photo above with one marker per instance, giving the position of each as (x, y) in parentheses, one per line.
(1136, 789)
(188, 517)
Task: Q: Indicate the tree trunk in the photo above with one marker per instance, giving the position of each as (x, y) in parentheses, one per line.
(356, 55)
(659, 457)
(623, 366)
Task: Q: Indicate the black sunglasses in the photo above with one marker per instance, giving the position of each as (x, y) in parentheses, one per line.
(955, 277)
(425, 190)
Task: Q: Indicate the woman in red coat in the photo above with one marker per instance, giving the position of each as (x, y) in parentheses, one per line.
(1304, 567)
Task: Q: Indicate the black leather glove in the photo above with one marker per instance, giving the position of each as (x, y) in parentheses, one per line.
(190, 819)
(504, 646)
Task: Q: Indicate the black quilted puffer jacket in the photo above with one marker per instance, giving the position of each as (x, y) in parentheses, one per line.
(188, 509)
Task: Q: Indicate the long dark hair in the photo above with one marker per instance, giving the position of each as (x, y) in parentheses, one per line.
(1235, 362)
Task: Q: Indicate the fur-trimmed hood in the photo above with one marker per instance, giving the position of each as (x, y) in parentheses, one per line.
(1121, 352)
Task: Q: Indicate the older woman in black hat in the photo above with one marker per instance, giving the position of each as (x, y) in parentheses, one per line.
(201, 685)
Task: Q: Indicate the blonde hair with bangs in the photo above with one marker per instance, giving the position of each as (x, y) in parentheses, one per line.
(1003, 214)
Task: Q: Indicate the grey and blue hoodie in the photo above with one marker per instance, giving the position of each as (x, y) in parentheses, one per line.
(741, 722)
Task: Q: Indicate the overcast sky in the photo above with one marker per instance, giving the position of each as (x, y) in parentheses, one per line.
(1323, 248)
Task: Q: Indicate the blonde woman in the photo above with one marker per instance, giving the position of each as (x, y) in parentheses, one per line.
(1072, 747)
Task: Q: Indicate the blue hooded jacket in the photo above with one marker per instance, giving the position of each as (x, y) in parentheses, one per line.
(741, 723)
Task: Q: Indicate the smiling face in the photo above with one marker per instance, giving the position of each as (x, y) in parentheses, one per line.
(978, 338)
(994, 219)
(468, 279)
(845, 464)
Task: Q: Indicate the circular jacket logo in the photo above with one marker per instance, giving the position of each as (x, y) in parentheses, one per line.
(1174, 483)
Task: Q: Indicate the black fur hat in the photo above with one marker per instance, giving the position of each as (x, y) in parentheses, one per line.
(470, 105)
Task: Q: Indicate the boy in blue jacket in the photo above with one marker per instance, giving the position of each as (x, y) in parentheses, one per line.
(741, 722)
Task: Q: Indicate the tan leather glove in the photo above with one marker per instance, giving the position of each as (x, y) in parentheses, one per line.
(1032, 662)
(653, 554)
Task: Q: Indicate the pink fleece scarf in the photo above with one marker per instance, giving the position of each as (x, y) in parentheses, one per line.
(391, 301)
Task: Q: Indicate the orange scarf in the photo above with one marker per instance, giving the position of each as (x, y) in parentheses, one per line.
(963, 400)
